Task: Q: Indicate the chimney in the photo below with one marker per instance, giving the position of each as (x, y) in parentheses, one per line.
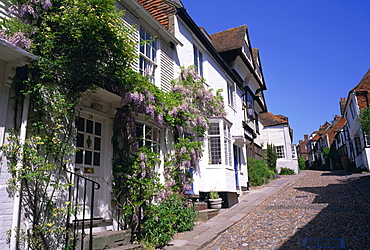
(342, 104)
(306, 137)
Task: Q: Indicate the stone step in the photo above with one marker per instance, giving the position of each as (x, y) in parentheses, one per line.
(109, 240)
(127, 247)
(204, 215)
(199, 206)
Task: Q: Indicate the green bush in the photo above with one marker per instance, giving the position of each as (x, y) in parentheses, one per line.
(174, 213)
(301, 163)
(286, 171)
(258, 172)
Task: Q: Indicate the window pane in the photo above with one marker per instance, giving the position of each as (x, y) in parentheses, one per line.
(214, 150)
(79, 154)
(280, 151)
(214, 129)
(88, 157)
(97, 128)
(81, 124)
(96, 159)
(89, 126)
(80, 140)
(97, 142)
(200, 64)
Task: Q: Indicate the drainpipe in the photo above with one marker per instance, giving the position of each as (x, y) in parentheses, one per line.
(17, 209)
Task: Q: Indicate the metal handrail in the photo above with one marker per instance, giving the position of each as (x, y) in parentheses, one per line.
(74, 198)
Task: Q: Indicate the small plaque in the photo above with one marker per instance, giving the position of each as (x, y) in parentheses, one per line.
(88, 170)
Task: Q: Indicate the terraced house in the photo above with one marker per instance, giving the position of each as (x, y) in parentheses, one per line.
(174, 41)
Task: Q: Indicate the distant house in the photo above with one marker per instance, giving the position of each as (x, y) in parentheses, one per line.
(276, 130)
(357, 143)
(302, 148)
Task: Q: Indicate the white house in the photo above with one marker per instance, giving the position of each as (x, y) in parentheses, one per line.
(235, 48)
(277, 131)
(357, 142)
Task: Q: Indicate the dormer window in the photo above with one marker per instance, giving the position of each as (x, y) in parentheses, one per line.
(198, 61)
(246, 50)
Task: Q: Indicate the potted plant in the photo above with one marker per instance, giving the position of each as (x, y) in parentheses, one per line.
(214, 200)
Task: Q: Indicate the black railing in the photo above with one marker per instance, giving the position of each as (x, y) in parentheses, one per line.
(81, 193)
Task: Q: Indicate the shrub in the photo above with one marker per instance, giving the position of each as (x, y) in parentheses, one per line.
(258, 172)
(286, 171)
(174, 213)
(302, 163)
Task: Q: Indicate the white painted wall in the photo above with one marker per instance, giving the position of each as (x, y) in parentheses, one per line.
(279, 136)
(210, 177)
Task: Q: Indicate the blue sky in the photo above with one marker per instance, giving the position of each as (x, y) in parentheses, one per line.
(312, 52)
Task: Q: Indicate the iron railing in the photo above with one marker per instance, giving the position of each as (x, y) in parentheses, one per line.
(80, 194)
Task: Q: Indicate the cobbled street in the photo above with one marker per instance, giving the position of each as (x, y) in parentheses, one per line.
(320, 210)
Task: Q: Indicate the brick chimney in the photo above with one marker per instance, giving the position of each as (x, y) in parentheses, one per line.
(342, 104)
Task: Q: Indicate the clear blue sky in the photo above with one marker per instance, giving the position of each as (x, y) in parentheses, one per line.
(312, 52)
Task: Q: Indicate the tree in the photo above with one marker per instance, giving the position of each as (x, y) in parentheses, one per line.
(301, 163)
(364, 119)
(271, 157)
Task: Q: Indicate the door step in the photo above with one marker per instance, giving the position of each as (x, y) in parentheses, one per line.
(204, 215)
(118, 240)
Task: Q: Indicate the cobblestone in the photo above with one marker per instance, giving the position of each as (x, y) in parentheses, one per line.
(317, 205)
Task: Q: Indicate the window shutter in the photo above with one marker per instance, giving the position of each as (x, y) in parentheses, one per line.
(130, 20)
(167, 67)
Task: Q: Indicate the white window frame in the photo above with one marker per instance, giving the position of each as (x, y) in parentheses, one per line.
(214, 144)
(198, 60)
(228, 145)
(220, 149)
(148, 54)
(231, 94)
(150, 136)
(280, 152)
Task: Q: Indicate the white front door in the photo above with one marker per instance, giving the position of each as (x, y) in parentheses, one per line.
(89, 163)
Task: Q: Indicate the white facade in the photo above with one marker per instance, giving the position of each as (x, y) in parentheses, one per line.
(357, 145)
(230, 174)
(279, 136)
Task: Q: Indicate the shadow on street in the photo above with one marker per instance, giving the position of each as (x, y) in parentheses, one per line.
(344, 223)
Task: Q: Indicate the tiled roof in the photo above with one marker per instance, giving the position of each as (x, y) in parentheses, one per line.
(363, 91)
(160, 10)
(339, 124)
(268, 119)
(364, 83)
(230, 39)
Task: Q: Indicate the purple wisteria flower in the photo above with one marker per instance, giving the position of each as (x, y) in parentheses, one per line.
(18, 39)
(159, 119)
(142, 157)
(47, 4)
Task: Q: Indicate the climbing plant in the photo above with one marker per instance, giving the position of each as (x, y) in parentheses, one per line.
(184, 111)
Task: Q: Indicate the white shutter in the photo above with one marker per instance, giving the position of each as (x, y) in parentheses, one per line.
(130, 20)
(166, 67)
